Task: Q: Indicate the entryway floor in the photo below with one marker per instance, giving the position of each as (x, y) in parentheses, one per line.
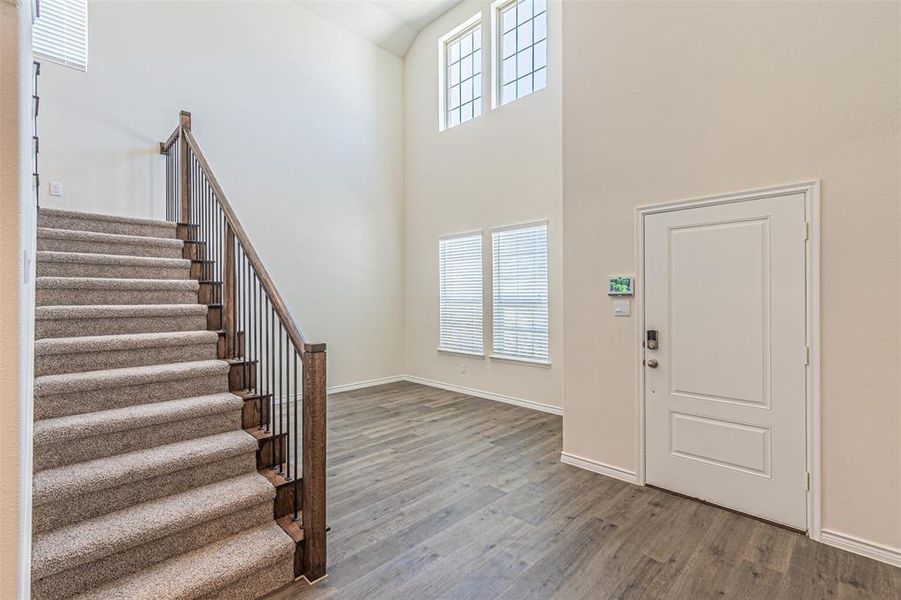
(434, 494)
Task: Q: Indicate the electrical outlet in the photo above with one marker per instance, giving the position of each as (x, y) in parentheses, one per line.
(463, 368)
(56, 188)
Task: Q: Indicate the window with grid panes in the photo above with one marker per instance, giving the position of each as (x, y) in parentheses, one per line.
(463, 79)
(522, 40)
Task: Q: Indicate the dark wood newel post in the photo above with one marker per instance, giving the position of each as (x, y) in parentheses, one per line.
(184, 120)
(313, 486)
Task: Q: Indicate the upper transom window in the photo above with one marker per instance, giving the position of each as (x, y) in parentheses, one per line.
(522, 42)
(462, 60)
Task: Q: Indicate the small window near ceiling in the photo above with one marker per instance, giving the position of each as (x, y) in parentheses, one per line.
(520, 293)
(461, 60)
(460, 294)
(60, 33)
(521, 34)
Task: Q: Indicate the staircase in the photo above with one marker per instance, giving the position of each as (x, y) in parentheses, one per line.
(169, 461)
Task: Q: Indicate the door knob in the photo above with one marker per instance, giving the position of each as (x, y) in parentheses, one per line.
(653, 363)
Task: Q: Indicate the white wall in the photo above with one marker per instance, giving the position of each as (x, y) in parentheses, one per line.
(501, 168)
(302, 124)
(16, 295)
(664, 101)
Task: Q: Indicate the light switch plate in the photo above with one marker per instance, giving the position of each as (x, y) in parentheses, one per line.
(622, 308)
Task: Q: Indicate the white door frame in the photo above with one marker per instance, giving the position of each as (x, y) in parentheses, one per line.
(811, 191)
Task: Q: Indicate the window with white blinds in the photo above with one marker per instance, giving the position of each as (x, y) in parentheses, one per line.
(520, 292)
(60, 33)
(460, 295)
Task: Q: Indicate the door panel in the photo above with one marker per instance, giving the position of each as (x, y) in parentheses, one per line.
(725, 408)
(705, 363)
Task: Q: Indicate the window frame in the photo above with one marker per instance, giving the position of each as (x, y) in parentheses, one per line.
(471, 24)
(496, 49)
(62, 60)
(479, 234)
(493, 354)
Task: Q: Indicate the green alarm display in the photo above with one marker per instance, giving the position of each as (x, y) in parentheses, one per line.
(620, 285)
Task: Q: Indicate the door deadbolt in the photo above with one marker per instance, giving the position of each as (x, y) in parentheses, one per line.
(653, 363)
(651, 338)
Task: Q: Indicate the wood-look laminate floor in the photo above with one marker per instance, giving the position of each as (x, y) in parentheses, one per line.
(437, 495)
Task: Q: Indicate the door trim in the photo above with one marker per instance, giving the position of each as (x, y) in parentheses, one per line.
(811, 191)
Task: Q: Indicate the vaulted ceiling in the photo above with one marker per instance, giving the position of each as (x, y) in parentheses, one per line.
(390, 24)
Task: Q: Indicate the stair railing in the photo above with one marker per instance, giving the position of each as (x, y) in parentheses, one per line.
(271, 360)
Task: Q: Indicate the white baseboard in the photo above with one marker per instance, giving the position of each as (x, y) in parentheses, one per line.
(548, 408)
(359, 385)
(598, 467)
(862, 547)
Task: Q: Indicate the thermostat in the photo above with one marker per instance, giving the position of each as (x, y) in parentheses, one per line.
(620, 285)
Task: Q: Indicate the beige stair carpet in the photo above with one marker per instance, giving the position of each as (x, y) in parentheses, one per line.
(142, 471)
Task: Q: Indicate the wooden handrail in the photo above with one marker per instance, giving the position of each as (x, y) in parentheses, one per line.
(278, 303)
(164, 146)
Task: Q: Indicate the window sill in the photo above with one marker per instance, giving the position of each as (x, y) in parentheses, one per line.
(518, 359)
(460, 353)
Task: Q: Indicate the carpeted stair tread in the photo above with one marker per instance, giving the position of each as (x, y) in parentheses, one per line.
(206, 570)
(127, 341)
(103, 239)
(83, 221)
(110, 266)
(111, 283)
(118, 311)
(55, 256)
(93, 539)
(64, 429)
(104, 473)
(47, 385)
(77, 320)
(109, 244)
(52, 290)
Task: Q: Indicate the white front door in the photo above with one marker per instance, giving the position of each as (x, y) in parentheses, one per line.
(725, 405)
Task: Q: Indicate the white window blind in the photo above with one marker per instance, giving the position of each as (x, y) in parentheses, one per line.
(520, 292)
(460, 296)
(60, 33)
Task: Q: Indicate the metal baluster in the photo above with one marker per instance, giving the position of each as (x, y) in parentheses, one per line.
(296, 419)
(258, 311)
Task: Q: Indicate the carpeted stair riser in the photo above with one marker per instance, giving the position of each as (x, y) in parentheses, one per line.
(90, 504)
(80, 360)
(78, 321)
(243, 566)
(78, 402)
(65, 453)
(112, 271)
(258, 583)
(110, 568)
(89, 242)
(57, 219)
(62, 295)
